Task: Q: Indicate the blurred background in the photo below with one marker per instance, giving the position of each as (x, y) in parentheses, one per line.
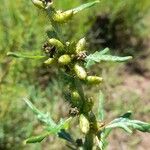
(121, 25)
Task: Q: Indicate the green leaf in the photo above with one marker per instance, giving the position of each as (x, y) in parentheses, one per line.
(127, 115)
(52, 127)
(89, 63)
(102, 56)
(66, 136)
(128, 125)
(105, 51)
(101, 112)
(102, 143)
(84, 6)
(63, 124)
(45, 118)
(21, 55)
(36, 139)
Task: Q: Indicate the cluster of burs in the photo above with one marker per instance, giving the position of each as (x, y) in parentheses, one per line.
(69, 56)
(64, 54)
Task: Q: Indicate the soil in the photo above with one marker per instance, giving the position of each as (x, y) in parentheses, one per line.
(139, 141)
(137, 82)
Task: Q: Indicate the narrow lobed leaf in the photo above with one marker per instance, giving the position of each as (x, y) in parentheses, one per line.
(84, 6)
(129, 125)
(97, 57)
(126, 124)
(52, 127)
(127, 115)
(45, 118)
(21, 55)
(105, 51)
(102, 143)
(36, 139)
(63, 124)
(66, 136)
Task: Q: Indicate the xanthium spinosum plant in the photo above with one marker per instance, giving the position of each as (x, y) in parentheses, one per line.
(72, 62)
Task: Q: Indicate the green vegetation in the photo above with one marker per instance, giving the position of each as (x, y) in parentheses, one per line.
(23, 32)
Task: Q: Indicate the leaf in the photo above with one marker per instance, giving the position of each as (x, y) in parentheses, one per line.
(51, 130)
(99, 58)
(125, 123)
(102, 143)
(101, 107)
(21, 55)
(106, 50)
(66, 136)
(45, 118)
(127, 115)
(102, 56)
(52, 127)
(36, 139)
(89, 63)
(128, 125)
(63, 124)
(84, 6)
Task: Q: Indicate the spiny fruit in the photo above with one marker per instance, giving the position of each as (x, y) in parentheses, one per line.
(80, 72)
(75, 97)
(49, 61)
(84, 124)
(81, 45)
(42, 4)
(56, 43)
(62, 17)
(94, 79)
(64, 59)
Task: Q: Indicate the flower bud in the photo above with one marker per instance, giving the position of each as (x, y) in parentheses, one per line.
(38, 3)
(94, 80)
(49, 61)
(80, 72)
(75, 97)
(81, 45)
(64, 59)
(84, 124)
(63, 17)
(42, 4)
(56, 43)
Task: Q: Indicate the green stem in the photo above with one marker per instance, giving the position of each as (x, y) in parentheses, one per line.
(89, 141)
(79, 88)
(56, 26)
(89, 137)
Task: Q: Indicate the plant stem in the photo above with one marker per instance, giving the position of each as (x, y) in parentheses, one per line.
(89, 138)
(56, 26)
